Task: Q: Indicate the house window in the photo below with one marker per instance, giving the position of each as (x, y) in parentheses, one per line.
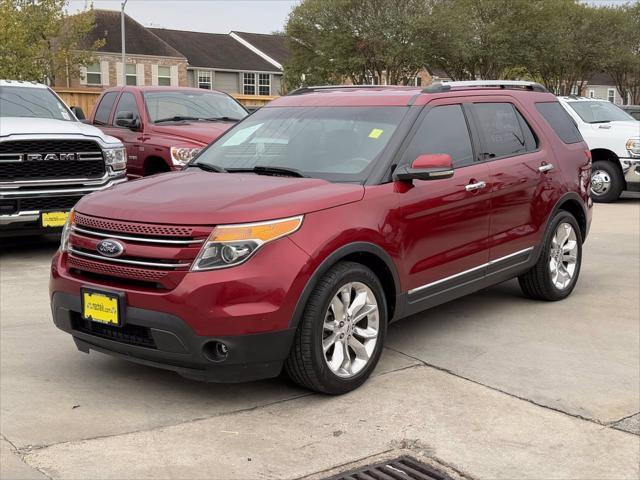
(264, 84)
(94, 74)
(574, 90)
(592, 94)
(132, 77)
(611, 95)
(204, 79)
(164, 76)
(249, 83)
(417, 81)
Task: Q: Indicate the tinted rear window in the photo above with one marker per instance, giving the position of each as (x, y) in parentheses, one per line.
(560, 121)
(501, 130)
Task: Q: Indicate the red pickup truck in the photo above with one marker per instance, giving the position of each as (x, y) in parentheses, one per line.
(163, 128)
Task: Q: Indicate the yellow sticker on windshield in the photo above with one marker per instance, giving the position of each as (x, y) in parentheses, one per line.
(375, 133)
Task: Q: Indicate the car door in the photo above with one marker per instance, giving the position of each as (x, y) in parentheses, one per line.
(521, 173)
(445, 221)
(132, 138)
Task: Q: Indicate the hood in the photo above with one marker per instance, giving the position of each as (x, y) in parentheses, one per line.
(50, 126)
(194, 197)
(629, 128)
(198, 132)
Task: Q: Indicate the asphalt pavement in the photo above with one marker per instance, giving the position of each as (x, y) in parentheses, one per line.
(491, 386)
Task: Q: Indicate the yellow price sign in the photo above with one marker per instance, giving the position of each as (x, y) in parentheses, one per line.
(54, 219)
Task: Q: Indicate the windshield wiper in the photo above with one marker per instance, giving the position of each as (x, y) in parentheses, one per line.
(207, 168)
(175, 118)
(270, 170)
(220, 119)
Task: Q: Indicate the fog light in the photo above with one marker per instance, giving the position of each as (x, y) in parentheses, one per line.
(215, 351)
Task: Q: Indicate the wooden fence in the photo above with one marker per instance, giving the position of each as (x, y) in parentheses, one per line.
(86, 98)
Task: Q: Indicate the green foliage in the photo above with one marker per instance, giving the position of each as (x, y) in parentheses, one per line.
(40, 41)
(561, 43)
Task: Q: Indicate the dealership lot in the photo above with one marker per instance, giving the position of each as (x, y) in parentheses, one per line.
(491, 386)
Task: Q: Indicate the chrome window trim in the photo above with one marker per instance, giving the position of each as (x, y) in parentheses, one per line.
(135, 239)
(484, 265)
(128, 262)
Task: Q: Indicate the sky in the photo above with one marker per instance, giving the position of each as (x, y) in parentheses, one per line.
(217, 16)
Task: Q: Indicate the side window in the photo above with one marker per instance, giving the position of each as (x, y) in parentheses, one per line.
(127, 104)
(104, 108)
(443, 130)
(560, 121)
(530, 139)
(500, 129)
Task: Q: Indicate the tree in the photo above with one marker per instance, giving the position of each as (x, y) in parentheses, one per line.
(363, 41)
(622, 61)
(40, 41)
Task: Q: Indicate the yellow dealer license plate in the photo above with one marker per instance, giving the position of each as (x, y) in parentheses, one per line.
(102, 307)
(54, 219)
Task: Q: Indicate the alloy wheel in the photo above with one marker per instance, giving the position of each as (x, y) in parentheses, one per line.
(563, 256)
(600, 182)
(350, 329)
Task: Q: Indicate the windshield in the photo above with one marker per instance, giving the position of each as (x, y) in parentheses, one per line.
(32, 102)
(333, 143)
(600, 112)
(191, 105)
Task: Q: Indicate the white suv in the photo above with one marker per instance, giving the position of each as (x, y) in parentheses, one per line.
(613, 136)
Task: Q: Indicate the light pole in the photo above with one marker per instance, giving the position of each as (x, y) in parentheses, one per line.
(124, 64)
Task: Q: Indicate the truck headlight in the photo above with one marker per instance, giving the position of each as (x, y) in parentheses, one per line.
(116, 158)
(66, 231)
(230, 245)
(183, 155)
(633, 147)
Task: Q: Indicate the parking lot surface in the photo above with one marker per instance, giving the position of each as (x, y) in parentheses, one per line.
(489, 386)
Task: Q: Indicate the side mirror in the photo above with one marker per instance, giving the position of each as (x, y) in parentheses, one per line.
(431, 166)
(77, 111)
(128, 120)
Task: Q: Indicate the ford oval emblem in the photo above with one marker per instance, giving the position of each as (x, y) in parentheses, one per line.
(110, 248)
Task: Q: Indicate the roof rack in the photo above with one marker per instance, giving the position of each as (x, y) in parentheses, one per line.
(316, 88)
(507, 84)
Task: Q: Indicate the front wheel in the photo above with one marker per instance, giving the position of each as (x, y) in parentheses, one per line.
(555, 274)
(340, 336)
(607, 182)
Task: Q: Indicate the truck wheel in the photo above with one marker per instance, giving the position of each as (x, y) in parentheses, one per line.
(607, 182)
(555, 274)
(340, 335)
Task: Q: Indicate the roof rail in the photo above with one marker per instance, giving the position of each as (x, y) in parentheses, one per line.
(301, 90)
(508, 84)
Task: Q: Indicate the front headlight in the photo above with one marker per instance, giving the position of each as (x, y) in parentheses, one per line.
(116, 158)
(183, 155)
(66, 231)
(230, 245)
(633, 147)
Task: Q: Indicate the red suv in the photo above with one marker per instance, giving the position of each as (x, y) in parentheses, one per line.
(297, 237)
(163, 128)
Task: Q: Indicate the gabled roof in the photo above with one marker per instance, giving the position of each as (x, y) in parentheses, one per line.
(214, 50)
(139, 39)
(601, 78)
(274, 46)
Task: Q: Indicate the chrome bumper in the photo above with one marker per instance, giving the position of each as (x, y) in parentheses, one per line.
(631, 170)
(80, 188)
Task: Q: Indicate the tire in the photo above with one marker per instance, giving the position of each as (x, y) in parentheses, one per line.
(538, 283)
(607, 182)
(308, 364)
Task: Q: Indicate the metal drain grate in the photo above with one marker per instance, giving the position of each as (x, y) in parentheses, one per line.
(402, 468)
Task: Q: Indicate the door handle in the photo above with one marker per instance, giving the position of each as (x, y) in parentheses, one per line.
(475, 186)
(545, 167)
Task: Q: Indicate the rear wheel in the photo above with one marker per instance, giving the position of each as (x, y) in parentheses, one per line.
(555, 274)
(340, 336)
(607, 181)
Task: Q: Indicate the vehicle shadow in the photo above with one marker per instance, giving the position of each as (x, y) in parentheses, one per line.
(30, 245)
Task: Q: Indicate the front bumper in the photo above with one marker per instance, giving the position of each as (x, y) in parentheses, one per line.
(162, 340)
(631, 171)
